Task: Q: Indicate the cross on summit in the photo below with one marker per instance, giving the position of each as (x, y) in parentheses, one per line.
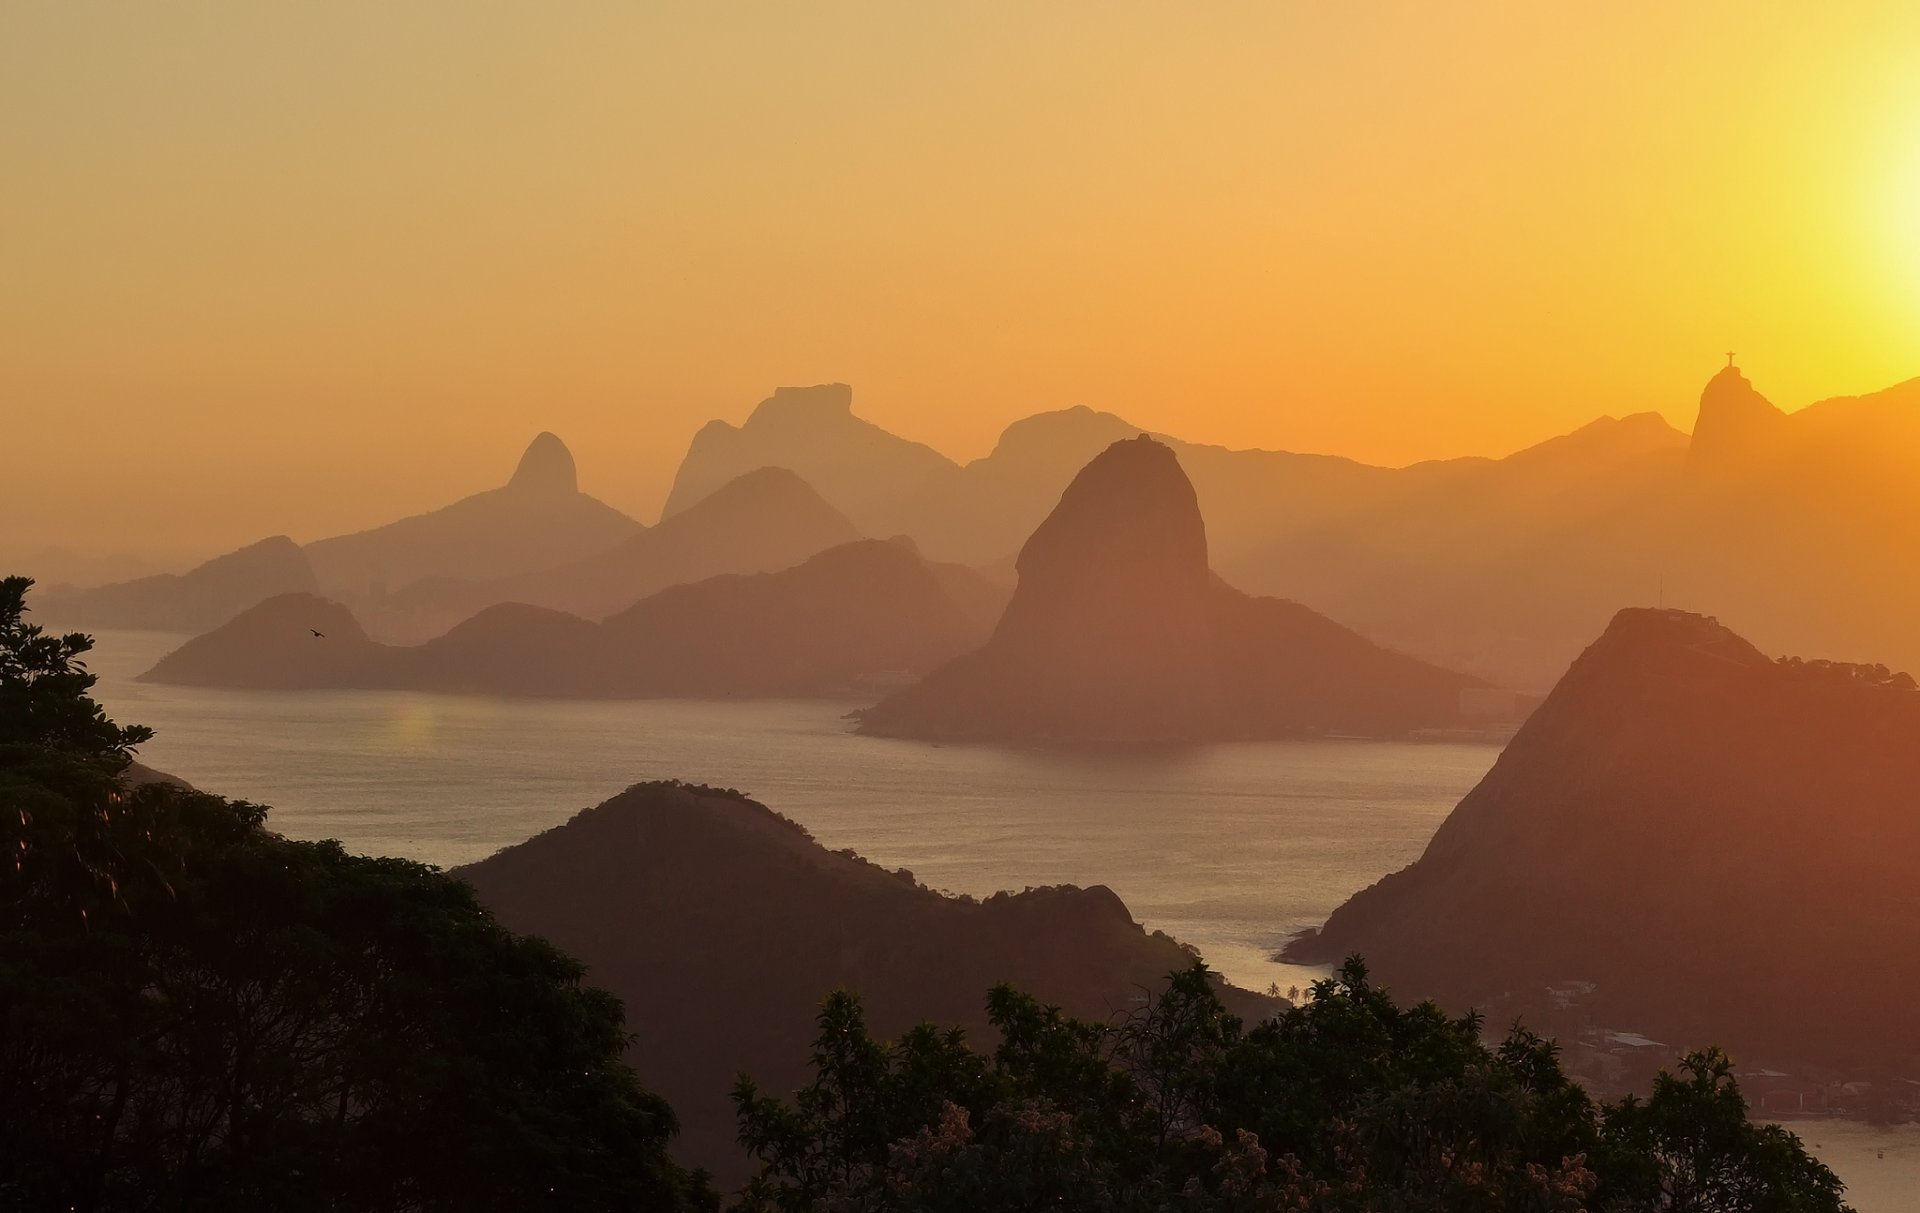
(1729, 357)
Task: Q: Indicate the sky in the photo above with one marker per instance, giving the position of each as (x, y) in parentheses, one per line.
(305, 267)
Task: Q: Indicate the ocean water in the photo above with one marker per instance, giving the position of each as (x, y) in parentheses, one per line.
(1231, 848)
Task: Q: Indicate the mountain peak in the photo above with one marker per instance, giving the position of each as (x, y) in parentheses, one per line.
(807, 405)
(1654, 639)
(1733, 419)
(1119, 633)
(547, 467)
(1129, 514)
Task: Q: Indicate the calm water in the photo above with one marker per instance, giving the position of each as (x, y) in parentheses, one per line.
(1231, 848)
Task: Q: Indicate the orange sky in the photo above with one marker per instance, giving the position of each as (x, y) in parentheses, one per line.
(303, 267)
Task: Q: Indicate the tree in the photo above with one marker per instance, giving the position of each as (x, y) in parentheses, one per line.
(196, 1012)
(1345, 1104)
(1690, 1148)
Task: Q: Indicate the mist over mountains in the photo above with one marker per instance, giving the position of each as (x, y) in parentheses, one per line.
(1789, 525)
(1119, 632)
(839, 624)
(1792, 526)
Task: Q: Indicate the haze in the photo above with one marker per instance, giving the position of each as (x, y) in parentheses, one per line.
(304, 268)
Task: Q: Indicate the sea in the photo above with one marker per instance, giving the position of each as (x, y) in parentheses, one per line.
(1231, 848)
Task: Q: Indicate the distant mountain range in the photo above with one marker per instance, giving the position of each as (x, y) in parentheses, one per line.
(536, 540)
(202, 597)
(1693, 834)
(1794, 526)
(723, 925)
(840, 623)
(537, 520)
(1120, 633)
(762, 521)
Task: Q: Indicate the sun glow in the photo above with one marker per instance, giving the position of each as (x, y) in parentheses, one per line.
(1904, 218)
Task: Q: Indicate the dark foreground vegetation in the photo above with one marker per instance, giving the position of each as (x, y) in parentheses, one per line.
(1345, 1104)
(196, 1013)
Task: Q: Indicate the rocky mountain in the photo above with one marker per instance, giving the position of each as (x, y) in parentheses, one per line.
(201, 598)
(876, 478)
(1734, 421)
(766, 519)
(849, 619)
(538, 519)
(840, 623)
(1442, 559)
(1681, 826)
(1796, 527)
(723, 925)
(1120, 633)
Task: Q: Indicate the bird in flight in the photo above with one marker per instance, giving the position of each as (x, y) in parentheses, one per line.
(317, 633)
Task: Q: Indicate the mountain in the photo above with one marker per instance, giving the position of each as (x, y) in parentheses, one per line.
(874, 476)
(1119, 632)
(845, 620)
(201, 598)
(1797, 527)
(1472, 563)
(852, 617)
(722, 925)
(1502, 567)
(538, 519)
(763, 520)
(1683, 824)
(1734, 421)
(271, 646)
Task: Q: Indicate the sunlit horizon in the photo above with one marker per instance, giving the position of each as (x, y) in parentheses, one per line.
(306, 268)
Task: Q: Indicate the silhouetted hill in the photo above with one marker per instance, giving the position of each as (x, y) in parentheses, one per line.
(764, 520)
(723, 925)
(849, 618)
(1502, 567)
(536, 520)
(853, 617)
(1734, 420)
(1119, 632)
(194, 601)
(874, 476)
(1798, 527)
(271, 646)
(1686, 824)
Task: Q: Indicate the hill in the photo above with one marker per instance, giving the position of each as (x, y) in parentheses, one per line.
(1503, 567)
(876, 478)
(1120, 633)
(766, 519)
(538, 519)
(850, 618)
(201, 598)
(723, 925)
(1680, 824)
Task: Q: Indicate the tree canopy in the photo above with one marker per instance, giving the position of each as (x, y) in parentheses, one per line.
(198, 1013)
(1345, 1104)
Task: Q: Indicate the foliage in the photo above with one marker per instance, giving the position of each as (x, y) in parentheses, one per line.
(196, 1012)
(1348, 1103)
